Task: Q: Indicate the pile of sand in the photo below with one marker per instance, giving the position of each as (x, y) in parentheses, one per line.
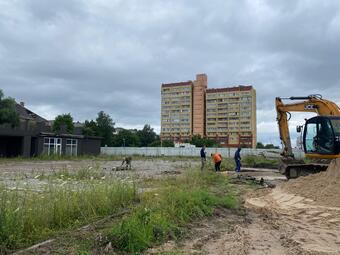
(323, 187)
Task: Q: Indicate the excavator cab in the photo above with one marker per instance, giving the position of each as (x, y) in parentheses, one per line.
(321, 137)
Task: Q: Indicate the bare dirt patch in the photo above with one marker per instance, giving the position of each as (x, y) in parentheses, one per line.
(304, 226)
(275, 222)
(323, 187)
(143, 167)
(32, 175)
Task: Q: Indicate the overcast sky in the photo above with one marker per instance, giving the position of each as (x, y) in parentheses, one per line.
(80, 57)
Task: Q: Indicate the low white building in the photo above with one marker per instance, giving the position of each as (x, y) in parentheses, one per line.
(184, 145)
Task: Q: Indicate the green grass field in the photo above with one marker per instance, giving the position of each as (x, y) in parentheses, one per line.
(73, 199)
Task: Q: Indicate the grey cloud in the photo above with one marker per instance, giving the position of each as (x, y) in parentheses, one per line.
(86, 56)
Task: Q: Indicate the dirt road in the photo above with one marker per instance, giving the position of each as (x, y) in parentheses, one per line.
(275, 222)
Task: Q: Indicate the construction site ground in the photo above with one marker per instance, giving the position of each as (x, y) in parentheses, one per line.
(295, 217)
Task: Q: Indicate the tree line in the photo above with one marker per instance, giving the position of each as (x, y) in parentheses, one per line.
(104, 127)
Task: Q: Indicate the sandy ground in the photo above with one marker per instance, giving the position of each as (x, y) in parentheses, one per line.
(275, 222)
(323, 187)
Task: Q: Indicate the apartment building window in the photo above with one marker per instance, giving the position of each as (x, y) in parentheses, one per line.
(71, 147)
(245, 108)
(245, 118)
(233, 113)
(52, 145)
(245, 113)
(247, 99)
(245, 104)
(184, 120)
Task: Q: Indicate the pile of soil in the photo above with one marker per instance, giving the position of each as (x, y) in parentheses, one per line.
(323, 187)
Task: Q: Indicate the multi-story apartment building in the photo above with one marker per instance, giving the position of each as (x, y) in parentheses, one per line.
(176, 119)
(231, 116)
(227, 115)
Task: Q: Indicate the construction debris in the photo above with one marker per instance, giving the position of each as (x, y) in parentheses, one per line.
(261, 181)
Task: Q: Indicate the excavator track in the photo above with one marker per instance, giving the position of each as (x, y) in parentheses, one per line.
(295, 169)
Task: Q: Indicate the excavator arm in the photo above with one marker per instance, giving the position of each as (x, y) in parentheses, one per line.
(312, 103)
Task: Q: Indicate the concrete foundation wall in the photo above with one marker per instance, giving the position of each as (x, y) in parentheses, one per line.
(171, 151)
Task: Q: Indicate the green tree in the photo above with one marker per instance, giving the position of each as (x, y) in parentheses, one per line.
(168, 143)
(8, 113)
(90, 128)
(271, 146)
(259, 145)
(146, 136)
(198, 141)
(210, 142)
(126, 138)
(105, 128)
(63, 120)
(156, 143)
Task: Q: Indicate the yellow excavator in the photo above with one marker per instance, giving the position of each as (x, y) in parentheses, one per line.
(320, 134)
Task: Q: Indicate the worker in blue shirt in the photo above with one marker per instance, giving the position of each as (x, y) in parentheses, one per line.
(237, 158)
(203, 157)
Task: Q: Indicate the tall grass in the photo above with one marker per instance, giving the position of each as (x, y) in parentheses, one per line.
(258, 162)
(163, 214)
(84, 173)
(28, 217)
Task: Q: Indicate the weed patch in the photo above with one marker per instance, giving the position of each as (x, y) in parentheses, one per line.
(260, 162)
(163, 215)
(27, 217)
(85, 173)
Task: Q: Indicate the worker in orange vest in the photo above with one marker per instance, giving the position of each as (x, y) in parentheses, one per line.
(217, 160)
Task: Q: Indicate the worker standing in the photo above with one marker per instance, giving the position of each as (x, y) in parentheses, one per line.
(237, 158)
(217, 160)
(203, 157)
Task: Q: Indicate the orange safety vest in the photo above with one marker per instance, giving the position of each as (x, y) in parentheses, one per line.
(217, 157)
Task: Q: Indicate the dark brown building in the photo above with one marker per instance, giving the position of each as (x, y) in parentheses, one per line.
(34, 136)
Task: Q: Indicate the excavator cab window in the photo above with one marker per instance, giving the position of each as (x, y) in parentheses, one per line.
(310, 133)
(336, 128)
(319, 136)
(336, 125)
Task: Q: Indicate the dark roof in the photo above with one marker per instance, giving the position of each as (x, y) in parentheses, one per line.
(69, 135)
(26, 114)
(238, 88)
(185, 83)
